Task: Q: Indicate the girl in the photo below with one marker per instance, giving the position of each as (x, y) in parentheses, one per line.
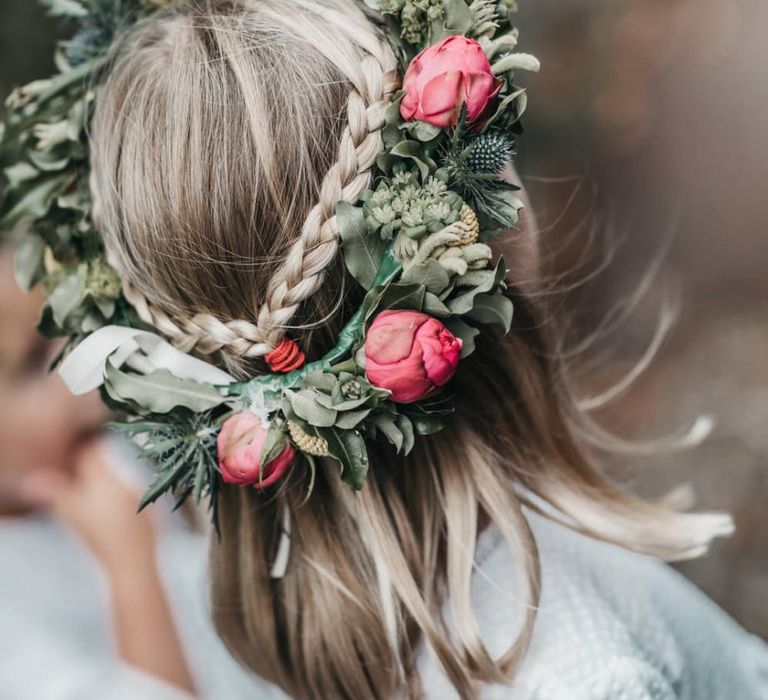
(495, 560)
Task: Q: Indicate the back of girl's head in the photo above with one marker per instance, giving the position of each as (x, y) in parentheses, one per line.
(225, 134)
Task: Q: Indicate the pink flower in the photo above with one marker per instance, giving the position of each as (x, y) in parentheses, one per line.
(410, 353)
(443, 77)
(240, 441)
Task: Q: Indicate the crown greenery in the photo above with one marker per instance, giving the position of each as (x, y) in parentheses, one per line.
(416, 240)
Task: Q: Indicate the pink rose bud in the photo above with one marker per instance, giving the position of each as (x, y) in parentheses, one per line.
(410, 353)
(240, 441)
(442, 77)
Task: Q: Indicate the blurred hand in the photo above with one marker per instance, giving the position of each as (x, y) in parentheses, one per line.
(98, 505)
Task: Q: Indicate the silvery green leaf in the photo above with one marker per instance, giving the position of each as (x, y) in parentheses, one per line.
(517, 100)
(305, 405)
(351, 419)
(29, 261)
(360, 357)
(363, 249)
(463, 303)
(105, 306)
(325, 381)
(493, 308)
(65, 8)
(385, 422)
(405, 426)
(411, 150)
(36, 201)
(20, 172)
(348, 447)
(160, 391)
(516, 61)
(422, 131)
(461, 329)
(273, 445)
(66, 297)
(430, 273)
(434, 306)
(327, 401)
(458, 17)
(47, 162)
(398, 296)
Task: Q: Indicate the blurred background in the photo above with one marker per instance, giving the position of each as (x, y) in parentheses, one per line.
(645, 142)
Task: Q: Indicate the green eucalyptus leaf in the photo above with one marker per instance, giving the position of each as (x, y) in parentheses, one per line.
(325, 381)
(517, 100)
(351, 419)
(160, 391)
(29, 261)
(458, 17)
(305, 405)
(493, 308)
(414, 151)
(47, 162)
(273, 445)
(461, 329)
(434, 306)
(36, 200)
(430, 273)
(398, 296)
(426, 423)
(363, 250)
(65, 8)
(67, 297)
(19, 173)
(386, 423)
(348, 447)
(422, 131)
(405, 425)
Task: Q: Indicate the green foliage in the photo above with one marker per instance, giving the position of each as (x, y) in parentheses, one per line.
(403, 204)
(474, 163)
(44, 168)
(183, 446)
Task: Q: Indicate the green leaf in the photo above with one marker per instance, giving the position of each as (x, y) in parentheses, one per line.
(19, 173)
(167, 478)
(67, 297)
(160, 391)
(406, 427)
(517, 100)
(422, 131)
(65, 8)
(363, 250)
(397, 296)
(434, 306)
(493, 308)
(458, 17)
(430, 273)
(273, 445)
(305, 405)
(427, 424)
(488, 280)
(29, 261)
(351, 419)
(348, 447)
(36, 201)
(386, 423)
(413, 150)
(461, 329)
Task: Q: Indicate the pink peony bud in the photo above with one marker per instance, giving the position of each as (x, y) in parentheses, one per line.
(240, 441)
(442, 77)
(410, 353)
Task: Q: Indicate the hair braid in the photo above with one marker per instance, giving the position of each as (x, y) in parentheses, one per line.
(303, 269)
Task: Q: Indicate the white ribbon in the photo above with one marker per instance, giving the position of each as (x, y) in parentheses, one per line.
(83, 369)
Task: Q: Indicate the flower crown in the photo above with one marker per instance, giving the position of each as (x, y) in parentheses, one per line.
(416, 242)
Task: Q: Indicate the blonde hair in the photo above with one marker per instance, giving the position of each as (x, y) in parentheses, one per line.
(225, 133)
